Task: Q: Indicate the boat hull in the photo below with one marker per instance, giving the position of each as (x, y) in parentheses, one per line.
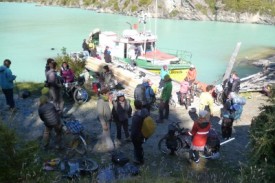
(175, 74)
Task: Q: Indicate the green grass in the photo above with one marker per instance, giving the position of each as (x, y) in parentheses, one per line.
(34, 88)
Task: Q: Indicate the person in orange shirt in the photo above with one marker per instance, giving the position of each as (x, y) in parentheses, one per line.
(191, 74)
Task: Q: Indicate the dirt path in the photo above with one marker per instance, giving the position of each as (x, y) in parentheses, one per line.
(28, 125)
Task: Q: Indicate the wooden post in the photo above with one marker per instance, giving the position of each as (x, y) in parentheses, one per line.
(231, 62)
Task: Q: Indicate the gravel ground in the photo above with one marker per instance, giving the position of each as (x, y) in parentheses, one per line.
(28, 125)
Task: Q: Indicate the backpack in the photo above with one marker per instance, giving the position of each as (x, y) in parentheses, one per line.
(239, 100)
(148, 127)
(139, 93)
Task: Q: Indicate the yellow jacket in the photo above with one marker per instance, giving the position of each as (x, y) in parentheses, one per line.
(206, 99)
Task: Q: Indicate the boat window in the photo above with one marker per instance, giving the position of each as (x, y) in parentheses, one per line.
(175, 62)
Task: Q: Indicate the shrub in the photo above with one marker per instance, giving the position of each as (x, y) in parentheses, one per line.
(261, 165)
(18, 159)
(126, 3)
(174, 13)
(144, 2)
(134, 8)
(77, 65)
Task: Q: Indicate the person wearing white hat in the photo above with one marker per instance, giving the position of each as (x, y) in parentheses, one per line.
(199, 132)
(191, 74)
(121, 111)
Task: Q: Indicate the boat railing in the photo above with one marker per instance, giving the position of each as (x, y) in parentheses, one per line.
(185, 56)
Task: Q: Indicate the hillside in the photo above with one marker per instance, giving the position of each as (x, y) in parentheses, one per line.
(242, 11)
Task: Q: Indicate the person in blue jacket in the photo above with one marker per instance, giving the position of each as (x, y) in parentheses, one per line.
(6, 83)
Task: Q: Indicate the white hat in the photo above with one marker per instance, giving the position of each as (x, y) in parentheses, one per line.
(120, 94)
(192, 66)
(203, 113)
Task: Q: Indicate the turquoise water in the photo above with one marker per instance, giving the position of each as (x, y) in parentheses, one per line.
(28, 32)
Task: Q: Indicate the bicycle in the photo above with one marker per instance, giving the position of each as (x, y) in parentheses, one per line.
(177, 140)
(74, 138)
(76, 91)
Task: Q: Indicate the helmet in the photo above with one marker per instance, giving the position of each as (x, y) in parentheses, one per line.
(192, 66)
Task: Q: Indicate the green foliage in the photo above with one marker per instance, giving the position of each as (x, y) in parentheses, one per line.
(18, 160)
(212, 5)
(134, 8)
(144, 2)
(87, 2)
(252, 6)
(126, 3)
(174, 13)
(116, 7)
(34, 88)
(201, 8)
(262, 138)
(77, 65)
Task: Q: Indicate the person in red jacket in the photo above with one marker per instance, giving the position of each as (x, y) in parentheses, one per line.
(199, 133)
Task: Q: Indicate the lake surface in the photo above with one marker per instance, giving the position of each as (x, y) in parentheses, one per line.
(28, 32)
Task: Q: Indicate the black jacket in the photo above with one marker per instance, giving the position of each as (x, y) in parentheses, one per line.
(48, 114)
(137, 122)
(119, 113)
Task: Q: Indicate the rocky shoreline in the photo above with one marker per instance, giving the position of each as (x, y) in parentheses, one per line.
(184, 10)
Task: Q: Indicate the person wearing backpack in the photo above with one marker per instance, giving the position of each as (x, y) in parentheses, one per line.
(136, 131)
(140, 93)
(165, 98)
(51, 118)
(121, 111)
(150, 94)
(55, 87)
(199, 135)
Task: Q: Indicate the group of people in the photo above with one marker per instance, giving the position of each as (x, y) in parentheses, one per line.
(51, 108)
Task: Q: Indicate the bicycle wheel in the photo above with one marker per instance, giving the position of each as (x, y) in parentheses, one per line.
(172, 102)
(165, 142)
(87, 165)
(79, 145)
(80, 95)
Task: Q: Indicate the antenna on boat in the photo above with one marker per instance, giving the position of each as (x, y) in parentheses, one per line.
(156, 16)
(129, 25)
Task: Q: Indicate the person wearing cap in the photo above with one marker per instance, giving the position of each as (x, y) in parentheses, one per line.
(51, 118)
(199, 133)
(105, 116)
(163, 72)
(206, 100)
(191, 74)
(6, 83)
(165, 98)
(121, 111)
(140, 93)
